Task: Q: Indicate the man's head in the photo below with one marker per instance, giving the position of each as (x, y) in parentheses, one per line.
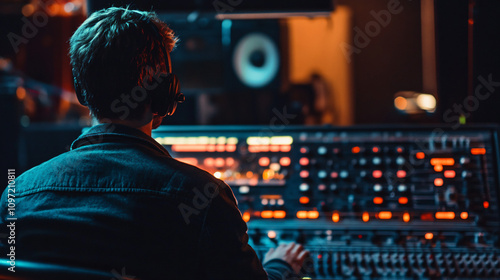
(115, 51)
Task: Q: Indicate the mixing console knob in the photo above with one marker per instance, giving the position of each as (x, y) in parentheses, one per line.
(322, 150)
(304, 187)
(344, 174)
(376, 161)
(464, 160)
(466, 174)
(322, 174)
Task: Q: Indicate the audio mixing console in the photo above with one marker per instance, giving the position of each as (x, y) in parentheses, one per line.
(368, 202)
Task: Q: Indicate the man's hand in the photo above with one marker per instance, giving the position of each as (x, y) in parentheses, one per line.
(292, 253)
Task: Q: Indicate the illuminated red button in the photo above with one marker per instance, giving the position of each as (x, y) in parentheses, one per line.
(304, 150)
(378, 200)
(377, 174)
(334, 175)
(285, 161)
(264, 161)
(449, 174)
(401, 173)
(420, 155)
(303, 161)
(438, 182)
(304, 174)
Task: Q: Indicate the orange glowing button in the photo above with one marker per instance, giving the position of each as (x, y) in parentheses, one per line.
(406, 217)
(427, 217)
(449, 174)
(264, 148)
(429, 236)
(438, 182)
(420, 155)
(229, 161)
(377, 173)
(211, 148)
(274, 148)
(246, 217)
(271, 234)
(221, 148)
(312, 214)
(189, 148)
(376, 149)
(209, 161)
(403, 200)
(442, 161)
(279, 214)
(335, 217)
(401, 173)
(302, 214)
(220, 162)
(464, 215)
(304, 161)
(304, 174)
(438, 168)
(378, 200)
(230, 148)
(285, 161)
(445, 215)
(267, 214)
(366, 217)
(253, 149)
(399, 149)
(264, 161)
(285, 148)
(486, 204)
(304, 199)
(385, 215)
(478, 151)
(356, 150)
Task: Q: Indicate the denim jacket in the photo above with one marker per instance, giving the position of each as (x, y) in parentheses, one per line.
(118, 202)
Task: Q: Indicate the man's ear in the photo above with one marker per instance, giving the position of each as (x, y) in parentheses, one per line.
(157, 119)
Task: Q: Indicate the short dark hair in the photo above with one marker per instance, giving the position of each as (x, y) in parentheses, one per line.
(112, 52)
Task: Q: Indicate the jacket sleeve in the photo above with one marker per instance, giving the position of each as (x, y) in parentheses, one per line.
(225, 250)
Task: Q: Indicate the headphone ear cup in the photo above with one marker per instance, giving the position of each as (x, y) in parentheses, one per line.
(173, 91)
(163, 98)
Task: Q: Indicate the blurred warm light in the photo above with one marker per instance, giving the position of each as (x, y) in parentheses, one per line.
(217, 174)
(28, 10)
(426, 102)
(411, 102)
(20, 93)
(400, 103)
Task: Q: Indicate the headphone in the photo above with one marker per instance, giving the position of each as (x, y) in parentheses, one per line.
(167, 94)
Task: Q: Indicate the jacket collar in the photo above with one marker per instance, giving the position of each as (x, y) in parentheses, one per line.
(111, 132)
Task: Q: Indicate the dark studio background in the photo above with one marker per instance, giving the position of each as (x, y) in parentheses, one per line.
(40, 116)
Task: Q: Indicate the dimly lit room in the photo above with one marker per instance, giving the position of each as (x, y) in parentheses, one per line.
(250, 139)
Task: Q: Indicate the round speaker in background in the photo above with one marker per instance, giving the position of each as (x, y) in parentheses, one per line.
(256, 60)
